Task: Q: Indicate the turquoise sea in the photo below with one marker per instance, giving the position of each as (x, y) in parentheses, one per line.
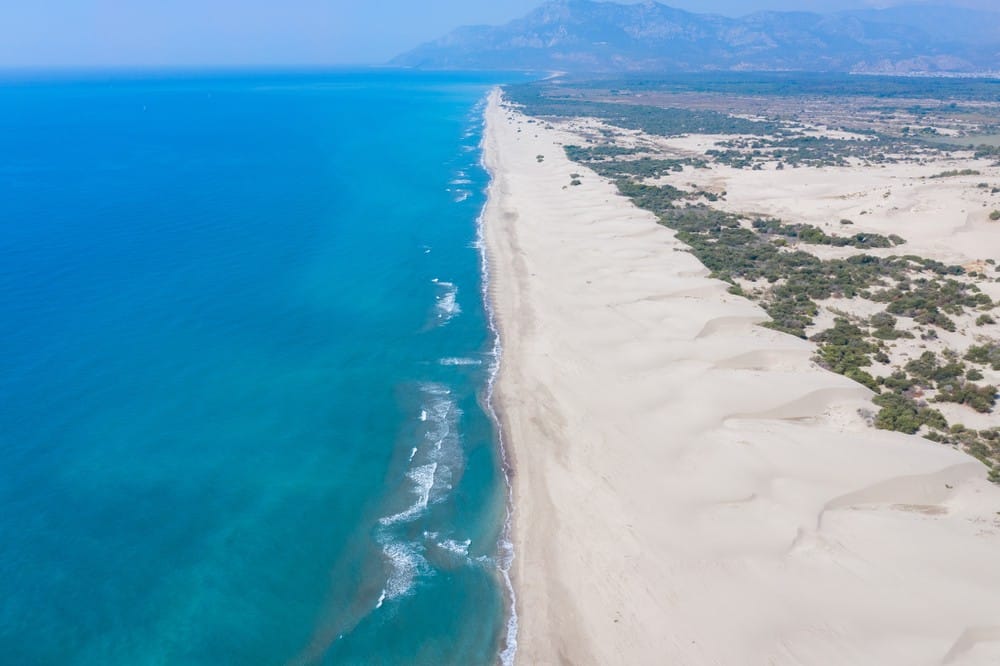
(244, 369)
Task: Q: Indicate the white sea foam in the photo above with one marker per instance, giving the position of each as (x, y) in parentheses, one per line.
(446, 306)
(462, 195)
(442, 413)
(457, 547)
(460, 181)
(405, 564)
(433, 466)
(452, 360)
(443, 437)
(423, 479)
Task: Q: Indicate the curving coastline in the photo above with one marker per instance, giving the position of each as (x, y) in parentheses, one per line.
(688, 487)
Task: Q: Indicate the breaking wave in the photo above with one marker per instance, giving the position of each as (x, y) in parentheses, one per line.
(446, 305)
(432, 466)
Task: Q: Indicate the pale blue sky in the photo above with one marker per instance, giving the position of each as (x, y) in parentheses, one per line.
(234, 32)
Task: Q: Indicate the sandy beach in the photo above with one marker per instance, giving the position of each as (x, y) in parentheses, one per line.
(689, 487)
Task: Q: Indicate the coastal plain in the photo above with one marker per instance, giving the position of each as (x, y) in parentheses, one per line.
(690, 487)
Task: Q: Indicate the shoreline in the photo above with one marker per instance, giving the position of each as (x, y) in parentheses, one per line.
(505, 547)
(687, 486)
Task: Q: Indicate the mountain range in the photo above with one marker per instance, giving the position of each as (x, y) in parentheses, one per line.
(589, 36)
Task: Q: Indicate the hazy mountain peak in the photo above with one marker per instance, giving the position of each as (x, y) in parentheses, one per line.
(589, 35)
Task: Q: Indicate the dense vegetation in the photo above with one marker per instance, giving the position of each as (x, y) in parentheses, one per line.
(798, 85)
(808, 150)
(539, 101)
(807, 233)
(588, 154)
(643, 167)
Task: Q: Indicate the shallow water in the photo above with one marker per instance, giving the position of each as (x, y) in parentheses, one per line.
(243, 361)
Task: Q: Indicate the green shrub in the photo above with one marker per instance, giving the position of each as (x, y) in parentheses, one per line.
(863, 378)
(813, 235)
(580, 154)
(980, 398)
(956, 172)
(985, 354)
(898, 382)
(844, 349)
(927, 301)
(902, 414)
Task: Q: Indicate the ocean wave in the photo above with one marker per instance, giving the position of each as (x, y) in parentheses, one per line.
(446, 305)
(405, 564)
(433, 464)
(435, 461)
(423, 478)
(452, 360)
(442, 415)
(461, 195)
(457, 547)
(460, 181)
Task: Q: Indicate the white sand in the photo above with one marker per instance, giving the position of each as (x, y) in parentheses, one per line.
(941, 218)
(689, 488)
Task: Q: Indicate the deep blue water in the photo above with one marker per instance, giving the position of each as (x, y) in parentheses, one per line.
(243, 360)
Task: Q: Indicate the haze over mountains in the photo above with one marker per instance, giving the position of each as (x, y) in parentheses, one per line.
(588, 36)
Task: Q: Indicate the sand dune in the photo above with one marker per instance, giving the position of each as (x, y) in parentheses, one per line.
(688, 487)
